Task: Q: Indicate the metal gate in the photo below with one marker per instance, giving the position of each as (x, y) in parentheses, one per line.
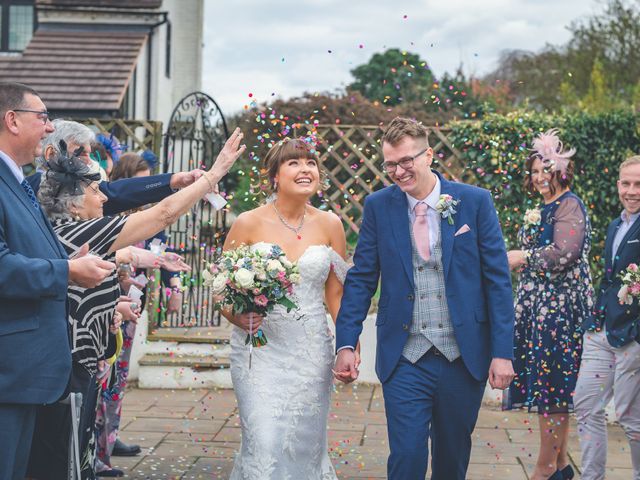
(195, 135)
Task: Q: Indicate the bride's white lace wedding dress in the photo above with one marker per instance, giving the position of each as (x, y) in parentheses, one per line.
(284, 398)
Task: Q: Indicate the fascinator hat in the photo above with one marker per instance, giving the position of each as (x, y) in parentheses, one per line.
(111, 145)
(549, 149)
(69, 172)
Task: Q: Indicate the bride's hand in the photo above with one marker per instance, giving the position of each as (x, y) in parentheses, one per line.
(243, 321)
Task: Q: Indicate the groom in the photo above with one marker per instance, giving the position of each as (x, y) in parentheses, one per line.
(445, 314)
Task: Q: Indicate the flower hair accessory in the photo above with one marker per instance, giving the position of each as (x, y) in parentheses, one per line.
(549, 149)
(446, 207)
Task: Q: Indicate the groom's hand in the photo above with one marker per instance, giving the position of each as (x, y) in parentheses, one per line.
(501, 373)
(345, 368)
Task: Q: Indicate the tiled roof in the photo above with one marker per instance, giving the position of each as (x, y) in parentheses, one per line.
(137, 4)
(77, 70)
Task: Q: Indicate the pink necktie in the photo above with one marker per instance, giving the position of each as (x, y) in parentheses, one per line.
(421, 230)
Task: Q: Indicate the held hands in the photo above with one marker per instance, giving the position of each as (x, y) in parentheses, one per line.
(116, 323)
(346, 367)
(88, 271)
(228, 155)
(242, 320)
(501, 373)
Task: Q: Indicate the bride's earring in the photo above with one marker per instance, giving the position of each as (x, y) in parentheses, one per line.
(275, 185)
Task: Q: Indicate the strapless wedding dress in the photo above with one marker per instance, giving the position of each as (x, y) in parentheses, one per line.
(283, 399)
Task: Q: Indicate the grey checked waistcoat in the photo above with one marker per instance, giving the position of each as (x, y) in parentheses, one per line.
(431, 324)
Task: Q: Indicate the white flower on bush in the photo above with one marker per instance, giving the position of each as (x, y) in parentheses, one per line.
(219, 283)
(532, 216)
(274, 265)
(244, 278)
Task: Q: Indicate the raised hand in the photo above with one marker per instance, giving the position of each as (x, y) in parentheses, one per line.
(228, 155)
(345, 368)
(87, 270)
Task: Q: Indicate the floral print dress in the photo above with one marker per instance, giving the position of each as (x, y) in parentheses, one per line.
(554, 296)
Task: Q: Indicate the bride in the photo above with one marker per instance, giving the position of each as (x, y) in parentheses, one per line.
(283, 398)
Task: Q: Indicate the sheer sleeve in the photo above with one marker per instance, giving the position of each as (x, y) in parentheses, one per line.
(568, 238)
(338, 265)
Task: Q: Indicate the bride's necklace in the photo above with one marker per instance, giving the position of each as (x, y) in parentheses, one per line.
(295, 230)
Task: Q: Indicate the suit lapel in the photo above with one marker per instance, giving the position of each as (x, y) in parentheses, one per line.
(10, 180)
(399, 215)
(632, 231)
(608, 247)
(447, 231)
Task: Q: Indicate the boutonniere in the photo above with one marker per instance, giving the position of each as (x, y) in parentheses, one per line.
(446, 207)
(630, 288)
(532, 217)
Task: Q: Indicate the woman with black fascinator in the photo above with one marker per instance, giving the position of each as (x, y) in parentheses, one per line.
(70, 198)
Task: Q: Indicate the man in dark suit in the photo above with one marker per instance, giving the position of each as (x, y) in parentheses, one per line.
(445, 315)
(34, 275)
(610, 365)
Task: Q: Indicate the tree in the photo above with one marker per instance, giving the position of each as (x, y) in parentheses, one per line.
(393, 77)
(562, 73)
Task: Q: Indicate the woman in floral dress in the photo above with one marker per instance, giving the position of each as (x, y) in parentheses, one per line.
(554, 296)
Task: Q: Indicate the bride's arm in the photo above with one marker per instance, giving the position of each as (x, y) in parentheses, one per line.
(240, 234)
(333, 286)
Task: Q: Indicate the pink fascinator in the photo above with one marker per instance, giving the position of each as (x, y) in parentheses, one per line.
(548, 148)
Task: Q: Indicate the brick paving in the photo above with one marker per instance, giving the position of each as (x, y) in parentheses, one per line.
(194, 434)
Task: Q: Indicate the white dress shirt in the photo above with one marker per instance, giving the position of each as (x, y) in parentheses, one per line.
(13, 166)
(433, 217)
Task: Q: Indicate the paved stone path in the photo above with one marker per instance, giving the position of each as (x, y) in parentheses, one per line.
(194, 434)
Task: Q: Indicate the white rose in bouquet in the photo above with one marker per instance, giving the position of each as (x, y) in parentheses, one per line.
(244, 278)
(274, 265)
(285, 261)
(219, 283)
(207, 276)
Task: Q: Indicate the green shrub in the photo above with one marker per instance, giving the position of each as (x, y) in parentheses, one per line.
(495, 149)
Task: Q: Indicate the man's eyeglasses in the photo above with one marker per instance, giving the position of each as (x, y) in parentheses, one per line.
(42, 114)
(405, 163)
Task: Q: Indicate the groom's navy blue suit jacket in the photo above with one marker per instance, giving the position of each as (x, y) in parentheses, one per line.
(476, 272)
(34, 345)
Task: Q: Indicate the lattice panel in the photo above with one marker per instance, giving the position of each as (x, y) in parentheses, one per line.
(137, 134)
(352, 157)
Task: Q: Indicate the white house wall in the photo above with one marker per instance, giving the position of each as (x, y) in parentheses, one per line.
(186, 17)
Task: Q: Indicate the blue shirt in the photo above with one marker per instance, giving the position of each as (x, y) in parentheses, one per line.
(627, 222)
(13, 166)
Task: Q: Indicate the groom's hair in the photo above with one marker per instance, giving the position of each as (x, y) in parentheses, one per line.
(401, 127)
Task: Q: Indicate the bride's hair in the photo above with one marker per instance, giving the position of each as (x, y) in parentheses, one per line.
(289, 149)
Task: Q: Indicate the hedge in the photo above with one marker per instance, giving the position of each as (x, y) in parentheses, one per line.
(495, 149)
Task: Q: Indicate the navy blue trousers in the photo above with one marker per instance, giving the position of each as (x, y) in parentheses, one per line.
(431, 399)
(16, 430)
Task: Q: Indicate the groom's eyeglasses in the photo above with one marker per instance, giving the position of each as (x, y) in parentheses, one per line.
(405, 163)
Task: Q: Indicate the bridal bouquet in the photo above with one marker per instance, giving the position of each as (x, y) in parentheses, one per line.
(252, 281)
(630, 284)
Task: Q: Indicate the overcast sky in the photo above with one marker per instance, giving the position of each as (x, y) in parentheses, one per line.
(267, 48)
